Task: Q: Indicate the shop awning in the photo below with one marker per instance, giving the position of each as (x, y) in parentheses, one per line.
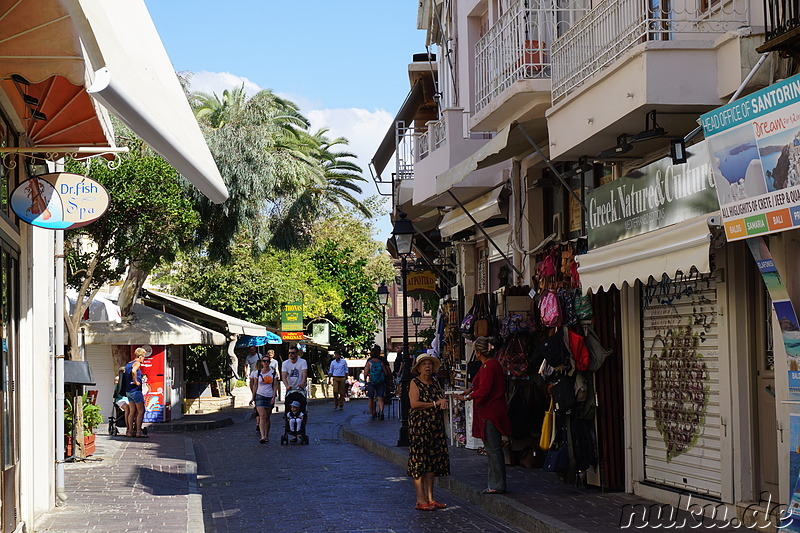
(133, 77)
(150, 326)
(482, 208)
(406, 114)
(509, 142)
(190, 308)
(249, 340)
(668, 250)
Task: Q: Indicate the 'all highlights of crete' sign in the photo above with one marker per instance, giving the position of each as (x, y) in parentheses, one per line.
(754, 145)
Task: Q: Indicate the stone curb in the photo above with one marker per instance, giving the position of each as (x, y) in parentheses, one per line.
(194, 505)
(190, 426)
(500, 506)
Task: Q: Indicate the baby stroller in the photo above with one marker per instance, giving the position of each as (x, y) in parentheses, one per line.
(297, 395)
(116, 421)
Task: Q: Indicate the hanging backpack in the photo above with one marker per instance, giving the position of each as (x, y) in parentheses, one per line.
(583, 306)
(549, 310)
(580, 354)
(554, 350)
(467, 327)
(597, 352)
(566, 303)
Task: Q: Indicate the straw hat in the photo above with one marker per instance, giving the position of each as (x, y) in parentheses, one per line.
(425, 357)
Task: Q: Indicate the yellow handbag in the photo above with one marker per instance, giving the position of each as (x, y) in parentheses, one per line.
(546, 440)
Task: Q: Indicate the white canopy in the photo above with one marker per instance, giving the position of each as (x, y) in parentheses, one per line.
(150, 326)
(678, 247)
(133, 77)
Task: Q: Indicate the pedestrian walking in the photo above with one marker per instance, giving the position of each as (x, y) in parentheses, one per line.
(251, 360)
(262, 385)
(294, 371)
(377, 373)
(133, 378)
(337, 375)
(490, 419)
(427, 451)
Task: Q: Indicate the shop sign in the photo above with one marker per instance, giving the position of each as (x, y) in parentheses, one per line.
(292, 317)
(421, 281)
(59, 201)
(320, 333)
(655, 196)
(754, 145)
(292, 335)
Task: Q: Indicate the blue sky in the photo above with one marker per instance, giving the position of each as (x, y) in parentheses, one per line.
(344, 62)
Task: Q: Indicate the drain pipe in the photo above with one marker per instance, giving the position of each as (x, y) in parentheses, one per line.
(61, 493)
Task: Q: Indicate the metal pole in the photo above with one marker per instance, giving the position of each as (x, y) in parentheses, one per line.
(385, 346)
(61, 492)
(405, 380)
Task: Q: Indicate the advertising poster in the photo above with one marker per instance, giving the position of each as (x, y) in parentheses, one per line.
(292, 317)
(153, 382)
(754, 146)
(792, 520)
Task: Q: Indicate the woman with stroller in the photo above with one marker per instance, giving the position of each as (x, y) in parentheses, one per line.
(133, 381)
(427, 452)
(262, 385)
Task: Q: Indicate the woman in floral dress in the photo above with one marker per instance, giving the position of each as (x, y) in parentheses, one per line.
(427, 454)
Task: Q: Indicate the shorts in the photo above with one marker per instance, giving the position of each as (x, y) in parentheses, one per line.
(376, 390)
(264, 401)
(135, 396)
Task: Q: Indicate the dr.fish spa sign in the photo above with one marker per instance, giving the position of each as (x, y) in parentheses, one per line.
(754, 145)
(59, 201)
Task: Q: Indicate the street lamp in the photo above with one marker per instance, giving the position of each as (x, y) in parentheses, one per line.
(383, 299)
(403, 233)
(416, 319)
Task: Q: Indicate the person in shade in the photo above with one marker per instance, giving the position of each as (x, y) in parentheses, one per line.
(337, 375)
(490, 413)
(377, 372)
(428, 456)
(133, 377)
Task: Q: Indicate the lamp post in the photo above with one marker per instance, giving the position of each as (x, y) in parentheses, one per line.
(403, 233)
(416, 319)
(383, 299)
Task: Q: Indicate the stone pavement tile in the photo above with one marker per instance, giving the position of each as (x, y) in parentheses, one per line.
(536, 500)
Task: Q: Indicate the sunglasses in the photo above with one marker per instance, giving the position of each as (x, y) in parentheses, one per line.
(265, 360)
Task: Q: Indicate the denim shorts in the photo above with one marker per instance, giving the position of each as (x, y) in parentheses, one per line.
(135, 396)
(264, 401)
(376, 390)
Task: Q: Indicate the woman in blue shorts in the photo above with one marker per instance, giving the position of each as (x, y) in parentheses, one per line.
(133, 378)
(262, 384)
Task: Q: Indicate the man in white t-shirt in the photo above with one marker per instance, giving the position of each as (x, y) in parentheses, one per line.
(294, 371)
(251, 361)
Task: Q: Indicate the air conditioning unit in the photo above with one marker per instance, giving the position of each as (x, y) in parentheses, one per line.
(558, 226)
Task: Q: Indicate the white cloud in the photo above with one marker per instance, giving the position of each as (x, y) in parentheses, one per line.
(216, 82)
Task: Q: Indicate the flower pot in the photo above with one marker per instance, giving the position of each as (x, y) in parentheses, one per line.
(88, 445)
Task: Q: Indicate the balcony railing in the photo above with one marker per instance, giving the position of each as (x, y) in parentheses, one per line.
(516, 47)
(615, 26)
(781, 17)
(407, 140)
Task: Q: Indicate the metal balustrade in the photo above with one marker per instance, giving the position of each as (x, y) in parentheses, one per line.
(516, 47)
(782, 17)
(615, 26)
(406, 142)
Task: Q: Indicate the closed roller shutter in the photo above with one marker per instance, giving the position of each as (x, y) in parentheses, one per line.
(681, 384)
(102, 364)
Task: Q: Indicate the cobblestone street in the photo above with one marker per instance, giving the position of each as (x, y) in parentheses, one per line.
(327, 486)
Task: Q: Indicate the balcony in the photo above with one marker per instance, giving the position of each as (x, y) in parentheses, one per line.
(783, 26)
(614, 27)
(512, 61)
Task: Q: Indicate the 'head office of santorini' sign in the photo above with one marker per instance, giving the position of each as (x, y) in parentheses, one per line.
(754, 145)
(652, 197)
(59, 201)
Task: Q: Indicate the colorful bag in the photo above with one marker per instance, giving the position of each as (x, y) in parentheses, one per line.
(580, 354)
(513, 358)
(546, 440)
(467, 326)
(549, 310)
(583, 306)
(566, 301)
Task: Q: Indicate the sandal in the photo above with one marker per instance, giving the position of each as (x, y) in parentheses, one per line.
(142, 436)
(437, 505)
(481, 451)
(493, 491)
(424, 507)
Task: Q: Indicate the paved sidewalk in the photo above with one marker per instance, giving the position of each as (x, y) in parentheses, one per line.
(131, 485)
(535, 501)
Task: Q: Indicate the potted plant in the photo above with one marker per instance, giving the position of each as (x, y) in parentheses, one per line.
(92, 418)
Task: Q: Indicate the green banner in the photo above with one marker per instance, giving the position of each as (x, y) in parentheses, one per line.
(652, 197)
(292, 317)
